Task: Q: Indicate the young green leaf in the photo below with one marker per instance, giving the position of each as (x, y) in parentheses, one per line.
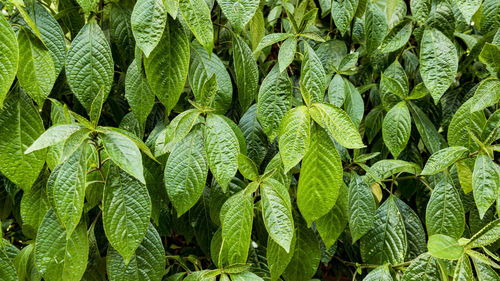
(463, 269)
(247, 167)
(381, 273)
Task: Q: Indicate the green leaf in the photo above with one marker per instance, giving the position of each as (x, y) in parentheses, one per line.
(361, 208)
(277, 258)
(415, 233)
(443, 158)
(274, 101)
(54, 135)
(203, 66)
(348, 62)
(126, 212)
(89, 65)
(484, 272)
(486, 236)
(397, 37)
(34, 206)
(87, 6)
(375, 27)
(343, 13)
(239, 12)
(468, 8)
(487, 94)
(381, 273)
(186, 172)
(338, 124)
(277, 212)
(485, 183)
(354, 105)
(386, 241)
(20, 126)
(489, 56)
(178, 128)
(124, 153)
(138, 93)
(445, 213)
(245, 276)
(438, 68)
(463, 270)
(396, 128)
(418, 92)
(271, 39)
(320, 177)
(175, 65)
(221, 146)
(463, 123)
(428, 132)
(337, 91)
(387, 167)
(294, 136)
(444, 247)
(331, 225)
(247, 73)
(7, 269)
(286, 53)
(36, 72)
(425, 267)
(247, 167)
(395, 80)
(147, 262)
(197, 16)
(236, 217)
(306, 256)
(57, 258)
(148, 21)
(68, 190)
(121, 33)
(312, 77)
(9, 60)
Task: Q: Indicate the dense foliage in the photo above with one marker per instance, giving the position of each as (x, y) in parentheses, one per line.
(249, 140)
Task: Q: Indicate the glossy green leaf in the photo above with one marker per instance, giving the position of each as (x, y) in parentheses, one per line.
(148, 21)
(396, 128)
(287, 53)
(271, 39)
(428, 132)
(445, 213)
(381, 273)
(361, 208)
(306, 256)
(36, 72)
(424, 268)
(312, 77)
(138, 93)
(331, 225)
(247, 73)
(20, 126)
(442, 159)
(438, 68)
(485, 183)
(89, 65)
(487, 94)
(294, 136)
(147, 262)
(337, 91)
(186, 172)
(343, 13)
(158, 65)
(247, 167)
(53, 135)
(397, 37)
(8, 61)
(197, 16)
(239, 12)
(463, 269)
(126, 212)
(395, 80)
(278, 258)
(468, 8)
(375, 27)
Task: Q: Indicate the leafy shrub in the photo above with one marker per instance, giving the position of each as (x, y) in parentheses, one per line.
(249, 140)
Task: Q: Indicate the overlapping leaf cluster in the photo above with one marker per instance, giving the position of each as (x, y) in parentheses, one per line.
(249, 140)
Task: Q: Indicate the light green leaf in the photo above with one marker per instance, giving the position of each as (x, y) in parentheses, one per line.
(178, 128)
(148, 21)
(485, 272)
(20, 126)
(489, 56)
(277, 258)
(463, 123)
(337, 91)
(331, 225)
(463, 270)
(246, 276)
(57, 258)
(343, 13)
(396, 128)
(387, 167)
(68, 190)
(487, 94)
(9, 60)
(89, 65)
(236, 217)
(175, 65)
(271, 39)
(54, 135)
(275, 99)
(338, 124)
(348, 62)
(306, 256)
(197, 16)
(247, 167)
(424, 268)
(247, 73)
(36, 72)
(485, 183)
(186, 172)
(124, 153)
(361, 208)
(375, 27)
(239, 12)
(87, 6)
(294, 136)
(438, 62)
(468, 8)
(138, 93)
(287, 53)
(7, 269)
(443, 158)
(147, 263)
(354, 105)
(445, 213)
(221, 146)
(312, 77)
(126, 212)
(395, 80)
(486, 236)
(381, 273)
(418, 92)
(397, 37)
(277, 212)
